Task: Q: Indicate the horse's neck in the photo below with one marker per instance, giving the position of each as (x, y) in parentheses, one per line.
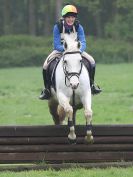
(70, 37)
(71, 40)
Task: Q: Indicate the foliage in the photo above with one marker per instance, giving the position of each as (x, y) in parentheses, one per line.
(22, 50)
(122, 24)
(109, 50)
(93, 6)
(100, 18)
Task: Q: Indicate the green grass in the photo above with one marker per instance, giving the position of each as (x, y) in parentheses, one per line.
(77, 172)
(20, 88)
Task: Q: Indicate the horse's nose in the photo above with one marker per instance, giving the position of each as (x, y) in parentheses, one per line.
(74, 82)
(74, 86)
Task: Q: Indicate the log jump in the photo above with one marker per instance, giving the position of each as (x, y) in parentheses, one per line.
(49, 144)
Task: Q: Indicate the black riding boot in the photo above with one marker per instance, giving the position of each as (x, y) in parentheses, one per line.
(45, 94)
(95, 89)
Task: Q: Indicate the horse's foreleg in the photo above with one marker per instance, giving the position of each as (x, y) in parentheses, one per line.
(64, 102)
(88, 116)
(71, 135)
(69, 113)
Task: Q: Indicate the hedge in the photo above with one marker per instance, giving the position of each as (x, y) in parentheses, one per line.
(22, 50)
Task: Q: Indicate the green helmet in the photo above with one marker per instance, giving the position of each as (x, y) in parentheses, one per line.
(69, 10)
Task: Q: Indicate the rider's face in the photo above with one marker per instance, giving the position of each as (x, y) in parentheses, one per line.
(70, 20)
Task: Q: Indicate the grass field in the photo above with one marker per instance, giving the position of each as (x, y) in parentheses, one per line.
(19, 105)
(20, 88)
(112, 172)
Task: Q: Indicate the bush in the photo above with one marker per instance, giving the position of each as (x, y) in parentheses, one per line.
(110, 51)
(24, 50)
(32, 51)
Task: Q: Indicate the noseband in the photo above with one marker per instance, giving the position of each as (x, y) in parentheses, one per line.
(68, 75)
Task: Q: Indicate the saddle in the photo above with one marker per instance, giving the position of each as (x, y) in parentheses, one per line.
(50, 72)
(87, 64)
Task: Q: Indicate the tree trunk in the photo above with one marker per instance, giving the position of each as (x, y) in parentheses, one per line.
(47, 18)
(32, 17)
(6, 17)
(58, 9)
(98, 23)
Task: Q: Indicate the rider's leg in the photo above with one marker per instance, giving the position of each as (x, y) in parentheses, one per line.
(45, 94)
(94, 88)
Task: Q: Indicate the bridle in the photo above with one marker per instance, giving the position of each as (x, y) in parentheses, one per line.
(68, 75)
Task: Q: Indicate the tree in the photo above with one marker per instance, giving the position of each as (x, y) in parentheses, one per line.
(58, 8)
(101, 18)
(46, 19)
(95, 10)
(122, 24)
(7, 16)
(32, 17)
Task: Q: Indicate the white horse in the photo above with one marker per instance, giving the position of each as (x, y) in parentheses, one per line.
(71, 77)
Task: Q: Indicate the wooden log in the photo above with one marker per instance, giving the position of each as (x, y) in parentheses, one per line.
(64, 140)
(28, 167)
(66, 148)
(113, 139)
(62, 157)
(61, 131)
(33, 131)
(36, 140)
(88, 157)
(21, 157)
(50, 144)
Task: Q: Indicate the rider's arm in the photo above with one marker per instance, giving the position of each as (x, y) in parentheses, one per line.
(81, 37)
(57, 39)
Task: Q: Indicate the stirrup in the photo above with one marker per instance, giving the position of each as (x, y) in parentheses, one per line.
(95, 89)
(45, 95)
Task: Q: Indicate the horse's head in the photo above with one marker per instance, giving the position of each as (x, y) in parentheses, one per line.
(72, 61)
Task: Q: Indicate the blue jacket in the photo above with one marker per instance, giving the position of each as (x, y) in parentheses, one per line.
(57, 38)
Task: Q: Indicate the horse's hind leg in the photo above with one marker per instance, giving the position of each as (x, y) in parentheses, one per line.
(61, 114)
(53, 104)
(57, 112)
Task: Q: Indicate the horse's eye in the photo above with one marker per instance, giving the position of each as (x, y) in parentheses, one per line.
(81, 61)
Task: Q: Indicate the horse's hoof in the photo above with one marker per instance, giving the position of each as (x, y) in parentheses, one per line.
(89, 139)
(72, 141)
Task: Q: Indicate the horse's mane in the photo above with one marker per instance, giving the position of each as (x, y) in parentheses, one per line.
(72, 43)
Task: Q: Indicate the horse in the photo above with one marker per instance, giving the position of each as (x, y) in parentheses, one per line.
(71, 77)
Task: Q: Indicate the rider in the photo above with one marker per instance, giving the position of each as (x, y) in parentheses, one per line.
(68, 24)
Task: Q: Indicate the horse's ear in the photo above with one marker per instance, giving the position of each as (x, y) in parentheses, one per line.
(65, 45)
(79, 45)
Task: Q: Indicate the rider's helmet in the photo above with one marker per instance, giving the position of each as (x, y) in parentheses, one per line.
(69, 10)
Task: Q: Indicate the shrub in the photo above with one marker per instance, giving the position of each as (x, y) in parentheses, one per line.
(25, 50)
(110, 51)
